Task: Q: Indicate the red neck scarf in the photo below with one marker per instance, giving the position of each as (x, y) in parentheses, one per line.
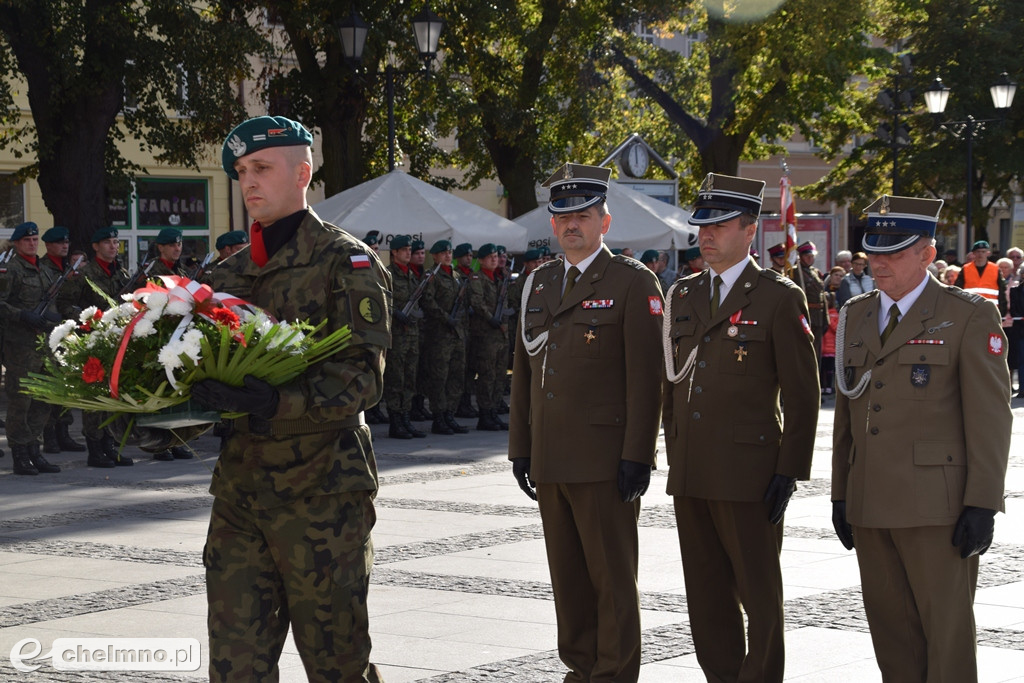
(31, 259)
(488, 273)
(446, 269)
(404, 269)
(257, 251)
(56, 261)
(107, 267)
(169, 264)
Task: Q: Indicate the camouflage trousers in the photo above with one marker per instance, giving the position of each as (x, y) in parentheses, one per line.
(26, 417)
(444, 370)
(400, 371)
(306, 564)
(490, 363)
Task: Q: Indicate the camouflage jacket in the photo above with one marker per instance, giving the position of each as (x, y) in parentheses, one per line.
(111, 285)
(160, 268)
(67, 298)
(483, 297)
(403, 286)
(313, 445)
(438, 300)
(22, 287)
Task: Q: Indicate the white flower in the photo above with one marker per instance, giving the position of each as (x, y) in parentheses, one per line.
(178, 307)
(191, 343)
(60, 333)
(170, 356)
(88, 314)
(143, 328)
(156, 301)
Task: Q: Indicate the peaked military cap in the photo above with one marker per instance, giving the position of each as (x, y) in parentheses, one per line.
(400, 242)
(723, 197)
(103, 233)
(372, 238)
(895, 223)
(649, 255)
(575, 187)
(26, 229)
(57, 233)
(440, 245)
(486, 250)
(169, 236)
(259, 133)
(463, 249)
(232, 238)
(778, 250)
(807, 247)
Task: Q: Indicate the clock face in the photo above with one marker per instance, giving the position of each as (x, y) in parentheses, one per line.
(636, 159)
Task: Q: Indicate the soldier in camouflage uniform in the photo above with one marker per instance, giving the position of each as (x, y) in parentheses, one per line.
(490, 339)
(56, 437)
(463, 259)
(289, 539)
(445, 330)
(22, 288)
(403, 358)
(418, 411)
(106, 272)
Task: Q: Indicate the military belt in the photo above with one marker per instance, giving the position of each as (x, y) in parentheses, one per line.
(303, 425)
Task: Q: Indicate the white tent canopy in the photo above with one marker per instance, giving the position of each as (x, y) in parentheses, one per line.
(398, 204)
(638, 221)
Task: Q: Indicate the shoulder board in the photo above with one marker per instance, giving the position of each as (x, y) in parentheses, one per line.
(549, 264)
(962, 294)
(781, 279)
(861, 297)
(627, 261)
(692, 276)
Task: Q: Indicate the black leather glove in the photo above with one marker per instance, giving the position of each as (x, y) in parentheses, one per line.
(494, 323)
(780, 490)
(34, 320)
(521, 471)
(256, 397)
(402, 317)
(839, 523)
(974, 531)
(634, 478)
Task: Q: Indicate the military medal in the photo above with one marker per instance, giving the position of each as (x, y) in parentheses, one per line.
(733, 320)
(590, 336)
(740, 352)
(919, 375)
(536, 290)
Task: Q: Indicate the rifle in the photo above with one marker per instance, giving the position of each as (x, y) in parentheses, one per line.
(201, 268)
(407, 309)
(51, 293)
(500, 308)
(6, 256)
(459, 296)
(140, 275)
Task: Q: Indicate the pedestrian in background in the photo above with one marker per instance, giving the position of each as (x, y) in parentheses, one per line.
(857, 281)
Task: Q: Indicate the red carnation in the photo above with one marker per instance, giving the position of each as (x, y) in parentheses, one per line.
(224, 316)
(93, 371)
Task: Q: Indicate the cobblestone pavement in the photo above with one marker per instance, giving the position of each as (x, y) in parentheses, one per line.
(460, 585)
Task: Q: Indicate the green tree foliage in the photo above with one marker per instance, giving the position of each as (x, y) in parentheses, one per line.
(98, 73)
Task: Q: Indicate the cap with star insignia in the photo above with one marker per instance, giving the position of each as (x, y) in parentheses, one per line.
(575, 187)
(724, 197)
(895, 223)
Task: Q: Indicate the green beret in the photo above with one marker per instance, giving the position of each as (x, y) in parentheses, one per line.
(532, 255)
(259, 133)
(372, 238)
(649, 255)
(616, 252)
(500, 249)
(24, 230)
(545, 250)
(486, 250)
(980, 244)
(57, 233)
(103, 233)
(463, 249)
(692, 253)
(229, 239)
(441, 245)
(169, 236)
(399, 242)
(418, 245)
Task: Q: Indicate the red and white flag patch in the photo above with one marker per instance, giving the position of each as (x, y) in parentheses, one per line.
(995, 344)
(805, 325)
(654, 303)
(360, 261)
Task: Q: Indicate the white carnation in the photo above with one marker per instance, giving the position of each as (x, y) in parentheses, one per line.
(170, 356)
(143, 328)
(178, 307)
(88, 314)
(60, 333)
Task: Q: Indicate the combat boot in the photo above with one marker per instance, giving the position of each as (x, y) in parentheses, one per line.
(22, 460)
(465, 408)
(419, 412)
(50, 443)
(440, 427)
(409, 428)
(375, 416)
(181, 453)
(97, 457)
(487, 423)
(64, 440)
(497, 418)
(41, 464)
(111, 451)
(502, 407)
(449, 420)
(397, 429)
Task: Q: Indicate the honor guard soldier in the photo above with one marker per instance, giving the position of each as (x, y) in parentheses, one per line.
(374, 415)
(736, 342)
(462, 257)
(777, 254)
(22, 288)
(584, 421)
(168, 253)
(289, 540)
(418, 411)
(56, 437)
(921, 442)
(810, 279)
(403, 358)
(487, 329)
(230, 243)
(372, 240)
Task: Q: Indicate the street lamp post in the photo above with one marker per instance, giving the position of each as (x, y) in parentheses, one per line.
(426, 27)
(935, 98)
(896, 101)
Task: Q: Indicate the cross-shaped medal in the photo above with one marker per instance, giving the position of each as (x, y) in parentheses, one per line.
(590, 336)
(740, 352)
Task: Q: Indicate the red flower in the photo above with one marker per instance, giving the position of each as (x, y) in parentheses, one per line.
(224, 316)
(87, 325)
(93, 371)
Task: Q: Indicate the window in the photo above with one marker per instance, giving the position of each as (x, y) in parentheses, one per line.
(12, 201)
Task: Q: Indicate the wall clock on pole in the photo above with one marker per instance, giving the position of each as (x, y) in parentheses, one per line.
(635, 160)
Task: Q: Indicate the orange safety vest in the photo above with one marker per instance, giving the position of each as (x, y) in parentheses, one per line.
(986, 284)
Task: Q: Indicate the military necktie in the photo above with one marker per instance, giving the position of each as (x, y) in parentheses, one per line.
(570, 281)
(894, 320)
(716, 293)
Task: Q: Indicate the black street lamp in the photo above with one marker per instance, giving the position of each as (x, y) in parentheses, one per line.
(897, 103)
(935, 98)
(426, 28)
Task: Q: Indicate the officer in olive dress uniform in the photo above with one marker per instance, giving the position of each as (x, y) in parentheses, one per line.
(403, 358)
(22, 288)
(736, 341)
(445, 328)
(56, 437)
(289, 541)
(814, 289)
(585, 416)
(921, 441)
(777, 254)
